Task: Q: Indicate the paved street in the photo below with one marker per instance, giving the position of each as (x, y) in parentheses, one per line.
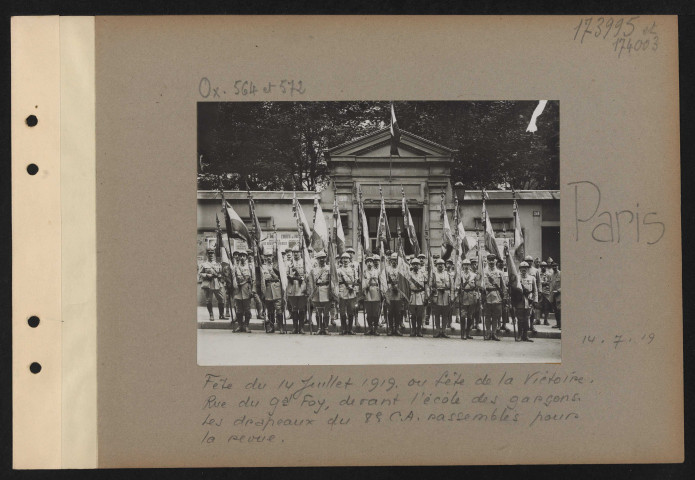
(220, 346)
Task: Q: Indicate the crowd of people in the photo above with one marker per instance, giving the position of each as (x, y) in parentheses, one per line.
(438, 292)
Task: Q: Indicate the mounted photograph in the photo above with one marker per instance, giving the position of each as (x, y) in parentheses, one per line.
(378, 232)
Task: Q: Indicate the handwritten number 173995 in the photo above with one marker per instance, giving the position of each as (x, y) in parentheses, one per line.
(625, 34)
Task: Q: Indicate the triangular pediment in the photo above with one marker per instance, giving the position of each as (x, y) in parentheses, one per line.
(378, 144)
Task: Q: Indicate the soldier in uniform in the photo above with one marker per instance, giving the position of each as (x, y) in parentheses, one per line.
(544, 294)
(468, 295)
(296, 290)
(372, 295)
(555, 294)
(441, 292)
(494, 293)
(348, 285)
(527, 301)
(210, 273)
(250, 258)
(272, 291)
(393, 297)
(534, 272)
(478, 318)
(242, 276)
(506, 312)
(453, 307)
(418, 297)
(226, 281)
(320, 281)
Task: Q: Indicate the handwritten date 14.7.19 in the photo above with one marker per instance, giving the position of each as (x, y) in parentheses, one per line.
(619, 340)
(625, 34)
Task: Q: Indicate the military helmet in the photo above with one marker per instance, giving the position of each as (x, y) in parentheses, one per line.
(321, 255)
(450, 261)
(422, 256)
(466, 262)
(439, 261)
(394, 256)
(350, 250)
(415, 261)
(492, 256)
(376, 258)
(544, 264)
(523, 265)
(528, 258)
(210, 250)
(241, 252)
(345, 255)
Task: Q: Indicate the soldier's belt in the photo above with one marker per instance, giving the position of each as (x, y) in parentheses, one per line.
(417, 291)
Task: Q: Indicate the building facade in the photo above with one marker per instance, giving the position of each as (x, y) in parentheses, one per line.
(422, 171)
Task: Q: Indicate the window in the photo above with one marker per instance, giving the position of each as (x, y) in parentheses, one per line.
(395, 220)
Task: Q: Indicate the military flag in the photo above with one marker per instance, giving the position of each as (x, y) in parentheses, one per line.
(257, 234)
(447, 238)
(514, 277)
(403, 271)
(301, 218)
(282, 269)
(218, 239)
(383, 233)
(490, 242)
(409, 226)
(363, 227)
(536, 113)
(338, 229)
(319, 236)
(256, 245)
(236, 228)
(395, 132)
(519, 248)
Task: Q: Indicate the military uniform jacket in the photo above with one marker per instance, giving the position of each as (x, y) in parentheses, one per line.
(530, 290)
(272, 288)
(210, 274)
(371, 286)
(347, 282)
(469, 288)
(320, 279)
(418, 288)
(441, 284)
(242, 279)
(555, 286)
(494, 286)
(296, 284)
(392, 292)
(545, 284)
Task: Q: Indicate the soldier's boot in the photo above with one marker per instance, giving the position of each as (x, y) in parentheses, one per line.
(558, 316)
(220, 308)
(212, 316)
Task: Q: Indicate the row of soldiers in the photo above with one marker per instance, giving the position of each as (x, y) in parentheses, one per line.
(473, 297)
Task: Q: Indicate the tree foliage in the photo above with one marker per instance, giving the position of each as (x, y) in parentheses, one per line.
(279, 145)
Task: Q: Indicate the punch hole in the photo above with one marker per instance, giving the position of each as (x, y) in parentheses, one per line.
(32, 120)
(34, 321)
(35, 367)
(32, 169)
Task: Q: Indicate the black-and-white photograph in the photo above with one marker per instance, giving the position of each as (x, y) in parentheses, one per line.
(378, 232)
